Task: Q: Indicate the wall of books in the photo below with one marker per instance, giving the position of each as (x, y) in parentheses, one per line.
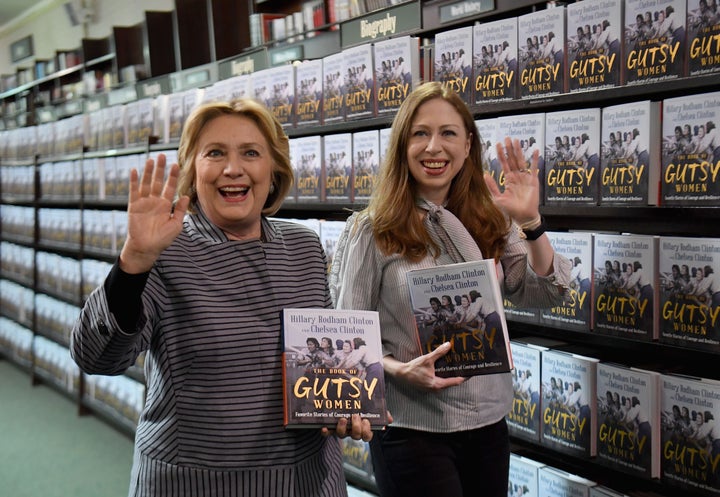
(619, 96)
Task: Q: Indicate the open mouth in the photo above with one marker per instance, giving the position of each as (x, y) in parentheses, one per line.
(435, 167)
(234, 191)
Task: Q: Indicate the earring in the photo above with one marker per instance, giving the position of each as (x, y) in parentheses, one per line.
(272, 188)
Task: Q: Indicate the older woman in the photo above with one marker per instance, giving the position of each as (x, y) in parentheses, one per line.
(202, 293)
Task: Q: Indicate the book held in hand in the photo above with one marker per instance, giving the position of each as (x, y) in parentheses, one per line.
(332, 367)
(461, 304)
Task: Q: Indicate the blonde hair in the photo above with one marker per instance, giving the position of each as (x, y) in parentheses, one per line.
(271, 129)
(469, 198)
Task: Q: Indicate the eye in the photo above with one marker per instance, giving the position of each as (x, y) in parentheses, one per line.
(214, 153)
(449, 132)
(419, 132)
(251, 152)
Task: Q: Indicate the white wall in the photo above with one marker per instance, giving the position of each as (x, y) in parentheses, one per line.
(51, 30)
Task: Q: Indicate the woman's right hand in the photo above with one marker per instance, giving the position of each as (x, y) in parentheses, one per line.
(153, 221)
(420, 372)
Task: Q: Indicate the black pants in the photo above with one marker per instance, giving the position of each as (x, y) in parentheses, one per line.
(463, 464)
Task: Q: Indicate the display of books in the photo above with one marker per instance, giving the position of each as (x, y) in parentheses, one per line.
(554, 482)
(541, 49)
(703, 26)
(625, 287)
(397, 71)
(309, 92)
(690, 161)
(572, 157)
(359, 81)
(332, 363)
(280, 94)
(307, 160)
(495, 60)
(529, 129)
(333, 97)
(337, 167)
(366, 164)
(523, 420)
(523, 476)
(688, 270)
(628, 404)
(453, 61)
(461, 304)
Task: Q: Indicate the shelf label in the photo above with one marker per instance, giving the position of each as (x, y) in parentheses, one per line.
(195, 78)
(286, 54)
(247, 64)
(122, 95)
(467, 8)
(153, 87)
(389, 22)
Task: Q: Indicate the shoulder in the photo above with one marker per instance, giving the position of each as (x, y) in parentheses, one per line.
(293, 230)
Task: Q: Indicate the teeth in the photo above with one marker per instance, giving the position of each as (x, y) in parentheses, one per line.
(434, 165)
(234, 189)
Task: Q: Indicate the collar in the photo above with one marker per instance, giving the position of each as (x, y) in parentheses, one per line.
(199, 223)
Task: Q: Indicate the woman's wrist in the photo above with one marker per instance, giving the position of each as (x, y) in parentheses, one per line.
(532, 230)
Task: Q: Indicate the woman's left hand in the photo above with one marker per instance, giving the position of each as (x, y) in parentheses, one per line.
(521, 198)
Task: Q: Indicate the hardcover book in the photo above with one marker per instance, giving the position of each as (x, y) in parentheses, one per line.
(541, 50)
(576, 313)
(359, 82)
(594, 30)
(461, 304)
(308, 92)
(690, 455)
(333, 98)
(625, 288)
(366, 164)
(337, 167)
(307, 166)
(495, 60)
(523, 476)
(703, 29)
(572, 157)
(240, 86)
(453, 61)
(332, 367)
(261, 86)
(654, 42)
(569, 412)
(630, 154)
(280, 97)
(690, 292)
(523, 420)
(628, 404)
(554, 482)
(397, 71)
(530, 130)
(690, 151)
(487, 134)
(329, 235)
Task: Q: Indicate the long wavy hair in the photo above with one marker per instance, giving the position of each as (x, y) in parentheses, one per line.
(469, 198)
(271, 129)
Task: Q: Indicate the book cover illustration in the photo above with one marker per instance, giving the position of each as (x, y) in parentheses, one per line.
(523, 420)
(461, 304)
(689, 272)
(630, 154)
(397, 71)
(333, 99)
(308, 92)
(495, 60)
(594, 28)
(453, 61)
(529, 129)
(359, 82)
(703, 31)
(541, 50)
(239, 86)
(628, 401)
(654, 40)
(338, 167)
(523, 476)
(307, 164)
(575, 313)
(554, 482)
(280, 94)
(569, 412)
(366, 163)
(572, 157)
(691, 150)
(690, 452)
(332, 367)
(625, 289)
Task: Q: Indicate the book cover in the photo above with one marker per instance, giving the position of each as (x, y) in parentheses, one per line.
(333, 99)
(594, 30)
(703, 30)
(541, 50)
(308, 92)
(332, 367)
(523, 420)
(366, 164)
(329, 235)
(461, 304)
(630, 154)
(569, 412)
(397, 71)
(337, 167)
(530, 130)
(239, 86)
(307, 164)
(625, 289)
(523, 476)
(174, 117)
(495, 60)
(554, 482)
(261, 85)
(628, 403)
(689, 269)
(280, 97)
(575, 313)
(487, 133)
(453, 61)
(654, 40)
(572, 157)
(690, 451)
(359, 82)
(691, 150)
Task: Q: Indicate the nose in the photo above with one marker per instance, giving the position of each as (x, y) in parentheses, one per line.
(433, 143)
(234, 166)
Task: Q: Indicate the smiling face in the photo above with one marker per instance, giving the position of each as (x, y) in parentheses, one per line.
(233, 167)
(437, 148)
